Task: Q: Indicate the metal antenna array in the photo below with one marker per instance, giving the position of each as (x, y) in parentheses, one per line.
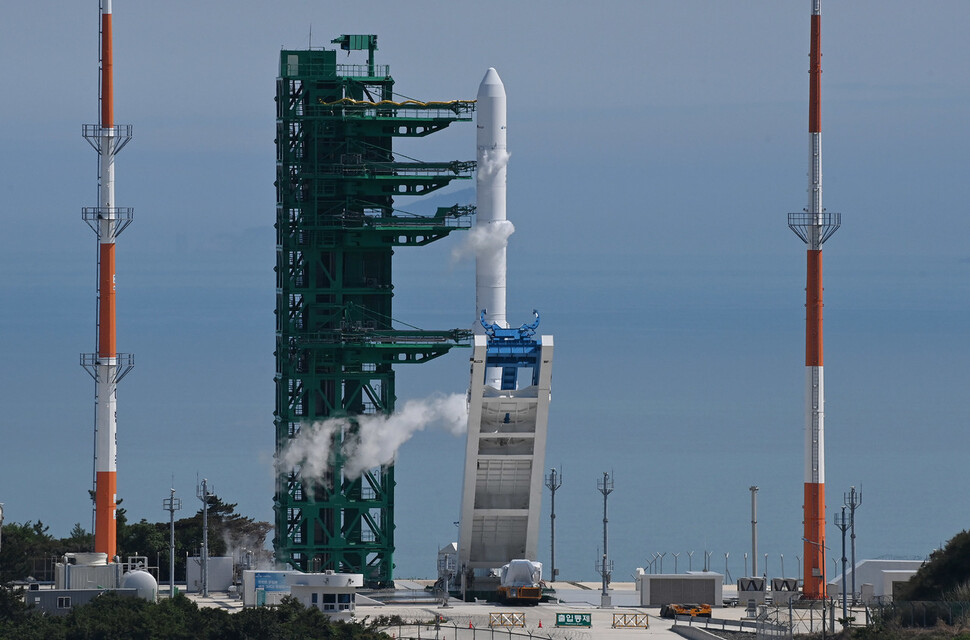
(605, 487)
(843, 524)
(553, 482)
(204, 495)
(853, 500)
(171, 504)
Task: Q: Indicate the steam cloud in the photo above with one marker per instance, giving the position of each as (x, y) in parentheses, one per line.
(490, 161)
(377, 440)
(484, 240)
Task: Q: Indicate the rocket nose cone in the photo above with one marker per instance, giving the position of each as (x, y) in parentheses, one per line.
(491, 85)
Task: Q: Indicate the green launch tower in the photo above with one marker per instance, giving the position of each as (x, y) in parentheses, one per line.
(337, 178)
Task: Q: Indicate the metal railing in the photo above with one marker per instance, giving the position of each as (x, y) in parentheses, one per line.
(454, 630)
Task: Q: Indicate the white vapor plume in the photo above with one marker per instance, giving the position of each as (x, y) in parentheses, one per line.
(484, 240)
(376, 440)
(491, 161)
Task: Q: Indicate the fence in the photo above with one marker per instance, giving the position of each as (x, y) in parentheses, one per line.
(455, 631)
(506, 620)
(626, 620)
(921, 613)
(764, 626)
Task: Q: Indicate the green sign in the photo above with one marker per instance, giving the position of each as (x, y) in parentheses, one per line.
(574, 619)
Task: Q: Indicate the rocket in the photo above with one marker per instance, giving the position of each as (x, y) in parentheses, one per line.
(491, 225)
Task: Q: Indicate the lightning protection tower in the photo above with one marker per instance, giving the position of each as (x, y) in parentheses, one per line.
(814, 226)
(337, 178)
(106, 365)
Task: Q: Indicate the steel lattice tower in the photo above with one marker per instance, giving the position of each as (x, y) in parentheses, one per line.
(336, 181)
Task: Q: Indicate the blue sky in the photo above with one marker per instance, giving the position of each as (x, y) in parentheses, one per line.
(656, 149)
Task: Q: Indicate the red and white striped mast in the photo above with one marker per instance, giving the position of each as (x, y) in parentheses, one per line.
(106, 366)
(814, 226)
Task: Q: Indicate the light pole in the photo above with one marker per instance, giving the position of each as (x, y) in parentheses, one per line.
(605, 487)
(754, 531)
(171, 504)
(553, 482)
(853, 501)
(843, 524)
(1, 526)
(204, 495)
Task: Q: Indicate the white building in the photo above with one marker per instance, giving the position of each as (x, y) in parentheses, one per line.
(876, 579)
(333, 593)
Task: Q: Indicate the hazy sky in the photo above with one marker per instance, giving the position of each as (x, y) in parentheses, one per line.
(656, 150)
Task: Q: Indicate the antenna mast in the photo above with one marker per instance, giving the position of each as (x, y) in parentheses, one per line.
(814, 226)
(106, 365)
(553, 482)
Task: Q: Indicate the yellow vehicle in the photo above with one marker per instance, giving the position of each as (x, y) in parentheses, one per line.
(676, 609)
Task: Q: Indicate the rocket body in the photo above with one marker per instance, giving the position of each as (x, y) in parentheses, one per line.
(491, 227)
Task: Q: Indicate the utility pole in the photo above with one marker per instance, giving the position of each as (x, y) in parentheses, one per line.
(843, 523)
(171, 504)
(853, 500)
(553, 482)
(1, 526)
(605, 487)
(754, 531)
(204, 495)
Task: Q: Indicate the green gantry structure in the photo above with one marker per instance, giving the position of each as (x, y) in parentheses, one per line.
(337, 226)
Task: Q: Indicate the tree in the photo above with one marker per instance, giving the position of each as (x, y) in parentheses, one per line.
(947, 570)
(79, 540)
(143, 539)
(23, 544)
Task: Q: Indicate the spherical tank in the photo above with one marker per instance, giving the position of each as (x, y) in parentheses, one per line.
(143, 582)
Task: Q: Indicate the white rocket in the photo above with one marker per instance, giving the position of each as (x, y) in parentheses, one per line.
(492, 229)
